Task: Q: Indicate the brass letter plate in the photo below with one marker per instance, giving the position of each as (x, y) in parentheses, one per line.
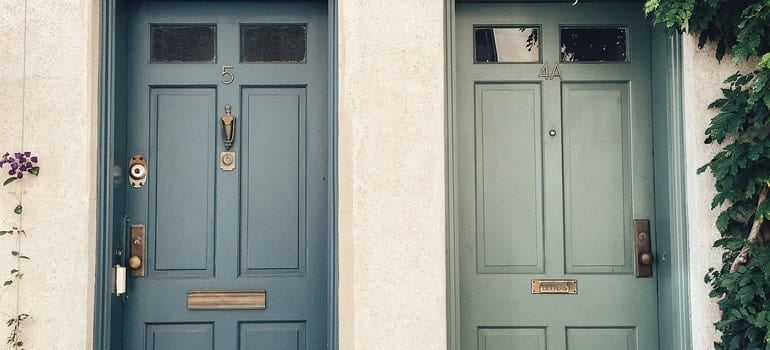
(226, 300)
(554, 287)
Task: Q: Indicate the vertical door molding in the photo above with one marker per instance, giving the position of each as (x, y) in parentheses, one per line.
(670, 203)
(670, 193)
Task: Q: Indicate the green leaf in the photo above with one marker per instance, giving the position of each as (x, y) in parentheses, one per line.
(18, 209)
(9, 180)
(14, 271)
(7, 283)
(14, 253)
(23, 257)
(35, 170)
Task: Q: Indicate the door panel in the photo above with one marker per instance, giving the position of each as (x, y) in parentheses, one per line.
(601, 338)
(180, 336)
(278, 336)
(182, 119)
(273, 211)
(512, 338)
(551, 172)
(261, 226)
(509, 171)
(596, 162)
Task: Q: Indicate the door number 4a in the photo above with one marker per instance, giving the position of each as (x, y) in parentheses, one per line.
(556, 72)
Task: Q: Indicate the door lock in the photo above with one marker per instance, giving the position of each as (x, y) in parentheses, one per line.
(643, 244)
(136, 261)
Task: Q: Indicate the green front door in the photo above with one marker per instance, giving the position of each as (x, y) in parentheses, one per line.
(236, 244)
(553, 165)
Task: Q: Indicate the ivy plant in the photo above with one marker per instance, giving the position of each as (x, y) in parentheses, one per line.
(740, 29)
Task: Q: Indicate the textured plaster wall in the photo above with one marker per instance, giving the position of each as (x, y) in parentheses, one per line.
(703, 77)
(392, 181)
(47, 105)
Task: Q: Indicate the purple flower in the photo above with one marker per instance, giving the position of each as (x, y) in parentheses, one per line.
(19, 163)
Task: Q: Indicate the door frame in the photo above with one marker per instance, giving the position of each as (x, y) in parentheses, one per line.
(107, 309)
(670, 187)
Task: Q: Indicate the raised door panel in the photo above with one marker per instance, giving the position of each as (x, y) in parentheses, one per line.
(273, 336)
(273, 231)
(182, 170)
(601, 338)
(509, 204)
(512, 339)
(597, 169)
(187, 336)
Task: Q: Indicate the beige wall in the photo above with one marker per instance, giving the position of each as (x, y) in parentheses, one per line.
(703, 77)
(391, 182)
(48, 90)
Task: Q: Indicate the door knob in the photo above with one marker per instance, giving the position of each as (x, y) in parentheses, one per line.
(134, 262)
(645, 259)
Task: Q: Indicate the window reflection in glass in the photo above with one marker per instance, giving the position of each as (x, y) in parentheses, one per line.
(507, 44)
(592, 44)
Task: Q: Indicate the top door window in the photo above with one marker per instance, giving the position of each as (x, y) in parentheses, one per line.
(593, 44)
(183, 43)
(506, 44)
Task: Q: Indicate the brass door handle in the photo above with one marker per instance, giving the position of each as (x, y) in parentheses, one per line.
(134, 262)
(646, 259)
(228, 127)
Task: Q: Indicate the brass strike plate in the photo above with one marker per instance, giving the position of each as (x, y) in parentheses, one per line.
(554, 287)
(227, 300)
(136, 261)
(227, 161)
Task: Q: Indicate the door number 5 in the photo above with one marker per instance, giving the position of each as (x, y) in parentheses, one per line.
(227, 75)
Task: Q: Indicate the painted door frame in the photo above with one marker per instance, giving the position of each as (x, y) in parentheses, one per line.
(110, 63)
(670, 196)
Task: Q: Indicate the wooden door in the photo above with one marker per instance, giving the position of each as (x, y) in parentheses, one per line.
(215, 235)
(553, 154)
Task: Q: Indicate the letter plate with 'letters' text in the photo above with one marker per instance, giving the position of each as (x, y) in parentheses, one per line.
(554, 286)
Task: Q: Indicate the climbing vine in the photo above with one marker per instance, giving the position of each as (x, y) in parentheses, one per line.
(18, 164)
(740, 29)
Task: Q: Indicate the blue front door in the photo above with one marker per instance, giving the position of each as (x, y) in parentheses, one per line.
(235, 235)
